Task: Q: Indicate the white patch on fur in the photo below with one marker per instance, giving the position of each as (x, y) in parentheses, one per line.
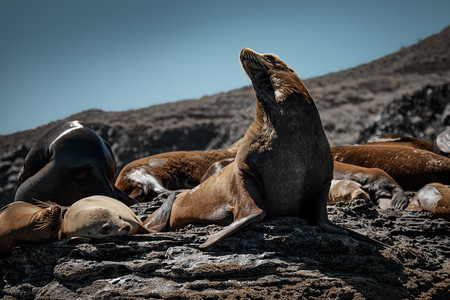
(428, 197)
(279, 91)
(220, 213)
(148, 180)
(73, 126)
(382, 139)
(154, 162)
(194, 189)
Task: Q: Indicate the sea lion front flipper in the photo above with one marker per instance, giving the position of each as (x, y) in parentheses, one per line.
(250, 206)
(123, 197)
(226, 231)
(159, 220)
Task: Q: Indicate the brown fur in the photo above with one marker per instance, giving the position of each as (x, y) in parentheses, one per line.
(344, 190)
(406, 141)
(98, 217)
(169, 171)
(283, 166)
(25, 222)
(412, 168)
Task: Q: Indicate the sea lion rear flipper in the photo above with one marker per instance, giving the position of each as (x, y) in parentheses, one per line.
(159, 220)
(327, 226)
(236, 225)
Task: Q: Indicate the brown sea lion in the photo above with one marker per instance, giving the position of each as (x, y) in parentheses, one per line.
(99, 217)
(145, 178)
(283, 166)
(343, 190)
(25, 222)
(441, 145)
(412, 168)
(433, 197)
(383, 190)
(68, 163)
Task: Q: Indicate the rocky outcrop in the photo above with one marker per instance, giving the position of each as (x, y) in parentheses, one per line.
(278, 258)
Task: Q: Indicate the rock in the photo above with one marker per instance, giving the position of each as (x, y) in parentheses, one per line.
(277, 258)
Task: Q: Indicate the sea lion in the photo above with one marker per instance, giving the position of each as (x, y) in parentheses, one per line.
(99, 217)
(441, 145)
(145, 178)
(344, 190)
(283, 166)
(410, 167)
(433, 197)
(383, 190)
(25, 222)
(69, 162)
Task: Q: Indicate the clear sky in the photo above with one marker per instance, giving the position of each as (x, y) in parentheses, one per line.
(60, 57)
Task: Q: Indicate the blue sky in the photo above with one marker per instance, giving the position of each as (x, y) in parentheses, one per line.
(60, 57)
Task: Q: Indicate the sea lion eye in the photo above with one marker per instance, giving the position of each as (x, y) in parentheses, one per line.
(106, 229)
(270, 58)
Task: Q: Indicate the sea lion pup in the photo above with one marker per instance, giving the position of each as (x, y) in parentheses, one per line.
(441, 145)
(410, 167)
(69, 162)
(283, 166)
(344, 190)
(25, 222)
(99, 217)
(433, 197)
(145, 178)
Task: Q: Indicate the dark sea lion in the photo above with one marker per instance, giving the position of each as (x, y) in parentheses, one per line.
(283, 166)
(145, 178)
(441, 145)
(412, 168)
(68, 163)
(433, 197)
(25, 222)
(99, 217)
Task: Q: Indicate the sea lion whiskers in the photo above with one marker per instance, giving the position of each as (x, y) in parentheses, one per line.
(53, 212)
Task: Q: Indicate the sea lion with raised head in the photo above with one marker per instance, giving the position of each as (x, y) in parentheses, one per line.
(69, 162)
(25, 222)
(283, 166)
(99, 217)
(145, 178)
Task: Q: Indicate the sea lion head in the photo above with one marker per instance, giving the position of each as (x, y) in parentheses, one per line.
(47, 222)
(275, 83)
(99, 223)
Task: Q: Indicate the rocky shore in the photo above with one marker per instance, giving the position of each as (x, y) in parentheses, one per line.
(406, 92)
